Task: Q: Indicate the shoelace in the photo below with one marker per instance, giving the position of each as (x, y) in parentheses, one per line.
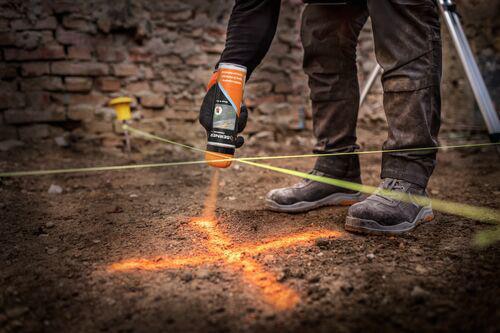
(391, 185)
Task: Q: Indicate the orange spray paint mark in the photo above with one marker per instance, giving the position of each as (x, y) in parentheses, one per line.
(220, 248)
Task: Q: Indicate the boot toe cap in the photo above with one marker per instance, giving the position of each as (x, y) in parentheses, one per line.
(281, 196)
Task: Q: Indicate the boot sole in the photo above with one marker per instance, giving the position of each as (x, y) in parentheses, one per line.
(373, 227)
(335, 199)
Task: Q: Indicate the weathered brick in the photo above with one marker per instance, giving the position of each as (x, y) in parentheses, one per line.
(68, 37)
(35, 68)
(78, 84)
(81, 112)
(139, 54)
(8, 71)
(10, 99)
(170, 60)
(28, 40)
(110, 54)
(34, 132)
(7, 39)
(153, 101)
(108, 84)
(91, 99)
(79, 68)
(78, 24)
(65, 6)
(125, 70)
(35, 115)
(183, 15)
(185, 115)
(197, 59)
(51, 83)
(47, 23)
(162, 87)
(80, 52)
(47, 37)
(10, 13)
(38, 99)
(104, 23)
(139, 88)
(46, 52)
(98, 126)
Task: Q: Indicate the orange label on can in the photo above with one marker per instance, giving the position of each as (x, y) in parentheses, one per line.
(232, 80)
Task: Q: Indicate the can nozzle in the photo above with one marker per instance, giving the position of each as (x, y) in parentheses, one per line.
(217, 159)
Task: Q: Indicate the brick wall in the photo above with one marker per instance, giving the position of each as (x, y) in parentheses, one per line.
(62, 61)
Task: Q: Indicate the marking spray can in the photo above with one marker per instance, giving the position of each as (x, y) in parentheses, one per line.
(226, 108)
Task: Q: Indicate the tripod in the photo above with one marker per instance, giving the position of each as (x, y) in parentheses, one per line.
(483, 99)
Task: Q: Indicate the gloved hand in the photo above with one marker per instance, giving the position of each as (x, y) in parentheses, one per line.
(207, 111)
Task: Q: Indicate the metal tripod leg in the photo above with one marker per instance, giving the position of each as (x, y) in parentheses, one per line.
(483, 99)
(476, 81)
(369, 83)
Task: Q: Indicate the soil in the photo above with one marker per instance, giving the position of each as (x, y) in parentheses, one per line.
(56, 250)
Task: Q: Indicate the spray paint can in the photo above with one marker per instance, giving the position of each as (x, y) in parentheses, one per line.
(226, 108)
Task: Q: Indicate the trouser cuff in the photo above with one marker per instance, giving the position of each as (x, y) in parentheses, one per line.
(410, 171)
(341, 166)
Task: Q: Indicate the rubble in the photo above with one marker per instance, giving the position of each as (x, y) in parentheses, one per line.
(55, 189)
(10, 144)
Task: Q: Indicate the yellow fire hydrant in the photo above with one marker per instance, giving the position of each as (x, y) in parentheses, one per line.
(122, 110)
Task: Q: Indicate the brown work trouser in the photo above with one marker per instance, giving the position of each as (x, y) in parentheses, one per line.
(408, 47)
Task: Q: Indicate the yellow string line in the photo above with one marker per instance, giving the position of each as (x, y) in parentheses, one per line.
(468, 211)
(95, 169)
(222, 159)
(255, 158)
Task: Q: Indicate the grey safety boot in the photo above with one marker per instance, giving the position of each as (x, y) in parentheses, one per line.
(382, 214)
(308, 194)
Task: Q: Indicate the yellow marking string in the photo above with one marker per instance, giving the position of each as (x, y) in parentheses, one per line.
(94, 169)
(222, 159)
(256, 158)
(468, 211)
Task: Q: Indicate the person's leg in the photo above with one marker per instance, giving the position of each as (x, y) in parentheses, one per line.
(408, 47)
(329, 37)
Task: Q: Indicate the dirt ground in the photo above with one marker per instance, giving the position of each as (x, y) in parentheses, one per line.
(56, 250)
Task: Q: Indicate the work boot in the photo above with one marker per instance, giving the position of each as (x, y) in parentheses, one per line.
(381, 214)
(309, 194)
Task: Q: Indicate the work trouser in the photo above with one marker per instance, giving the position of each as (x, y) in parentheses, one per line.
(408, 47)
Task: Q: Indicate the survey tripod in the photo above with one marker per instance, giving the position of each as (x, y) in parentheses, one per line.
(483, 99)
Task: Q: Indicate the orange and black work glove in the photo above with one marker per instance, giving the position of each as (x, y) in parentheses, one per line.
(209, 108)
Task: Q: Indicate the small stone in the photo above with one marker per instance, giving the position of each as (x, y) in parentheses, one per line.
(133, 195)
(52, 250)
(370, 256)
(16, 312)
(55, 189)
(203, 273)
(96, 241)
(420, 269)
(187, 277)
(314, 279)
(61, 141)
(231, 198)
(49, 225)
(347, 288)
(419, 294)
(10, 144)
